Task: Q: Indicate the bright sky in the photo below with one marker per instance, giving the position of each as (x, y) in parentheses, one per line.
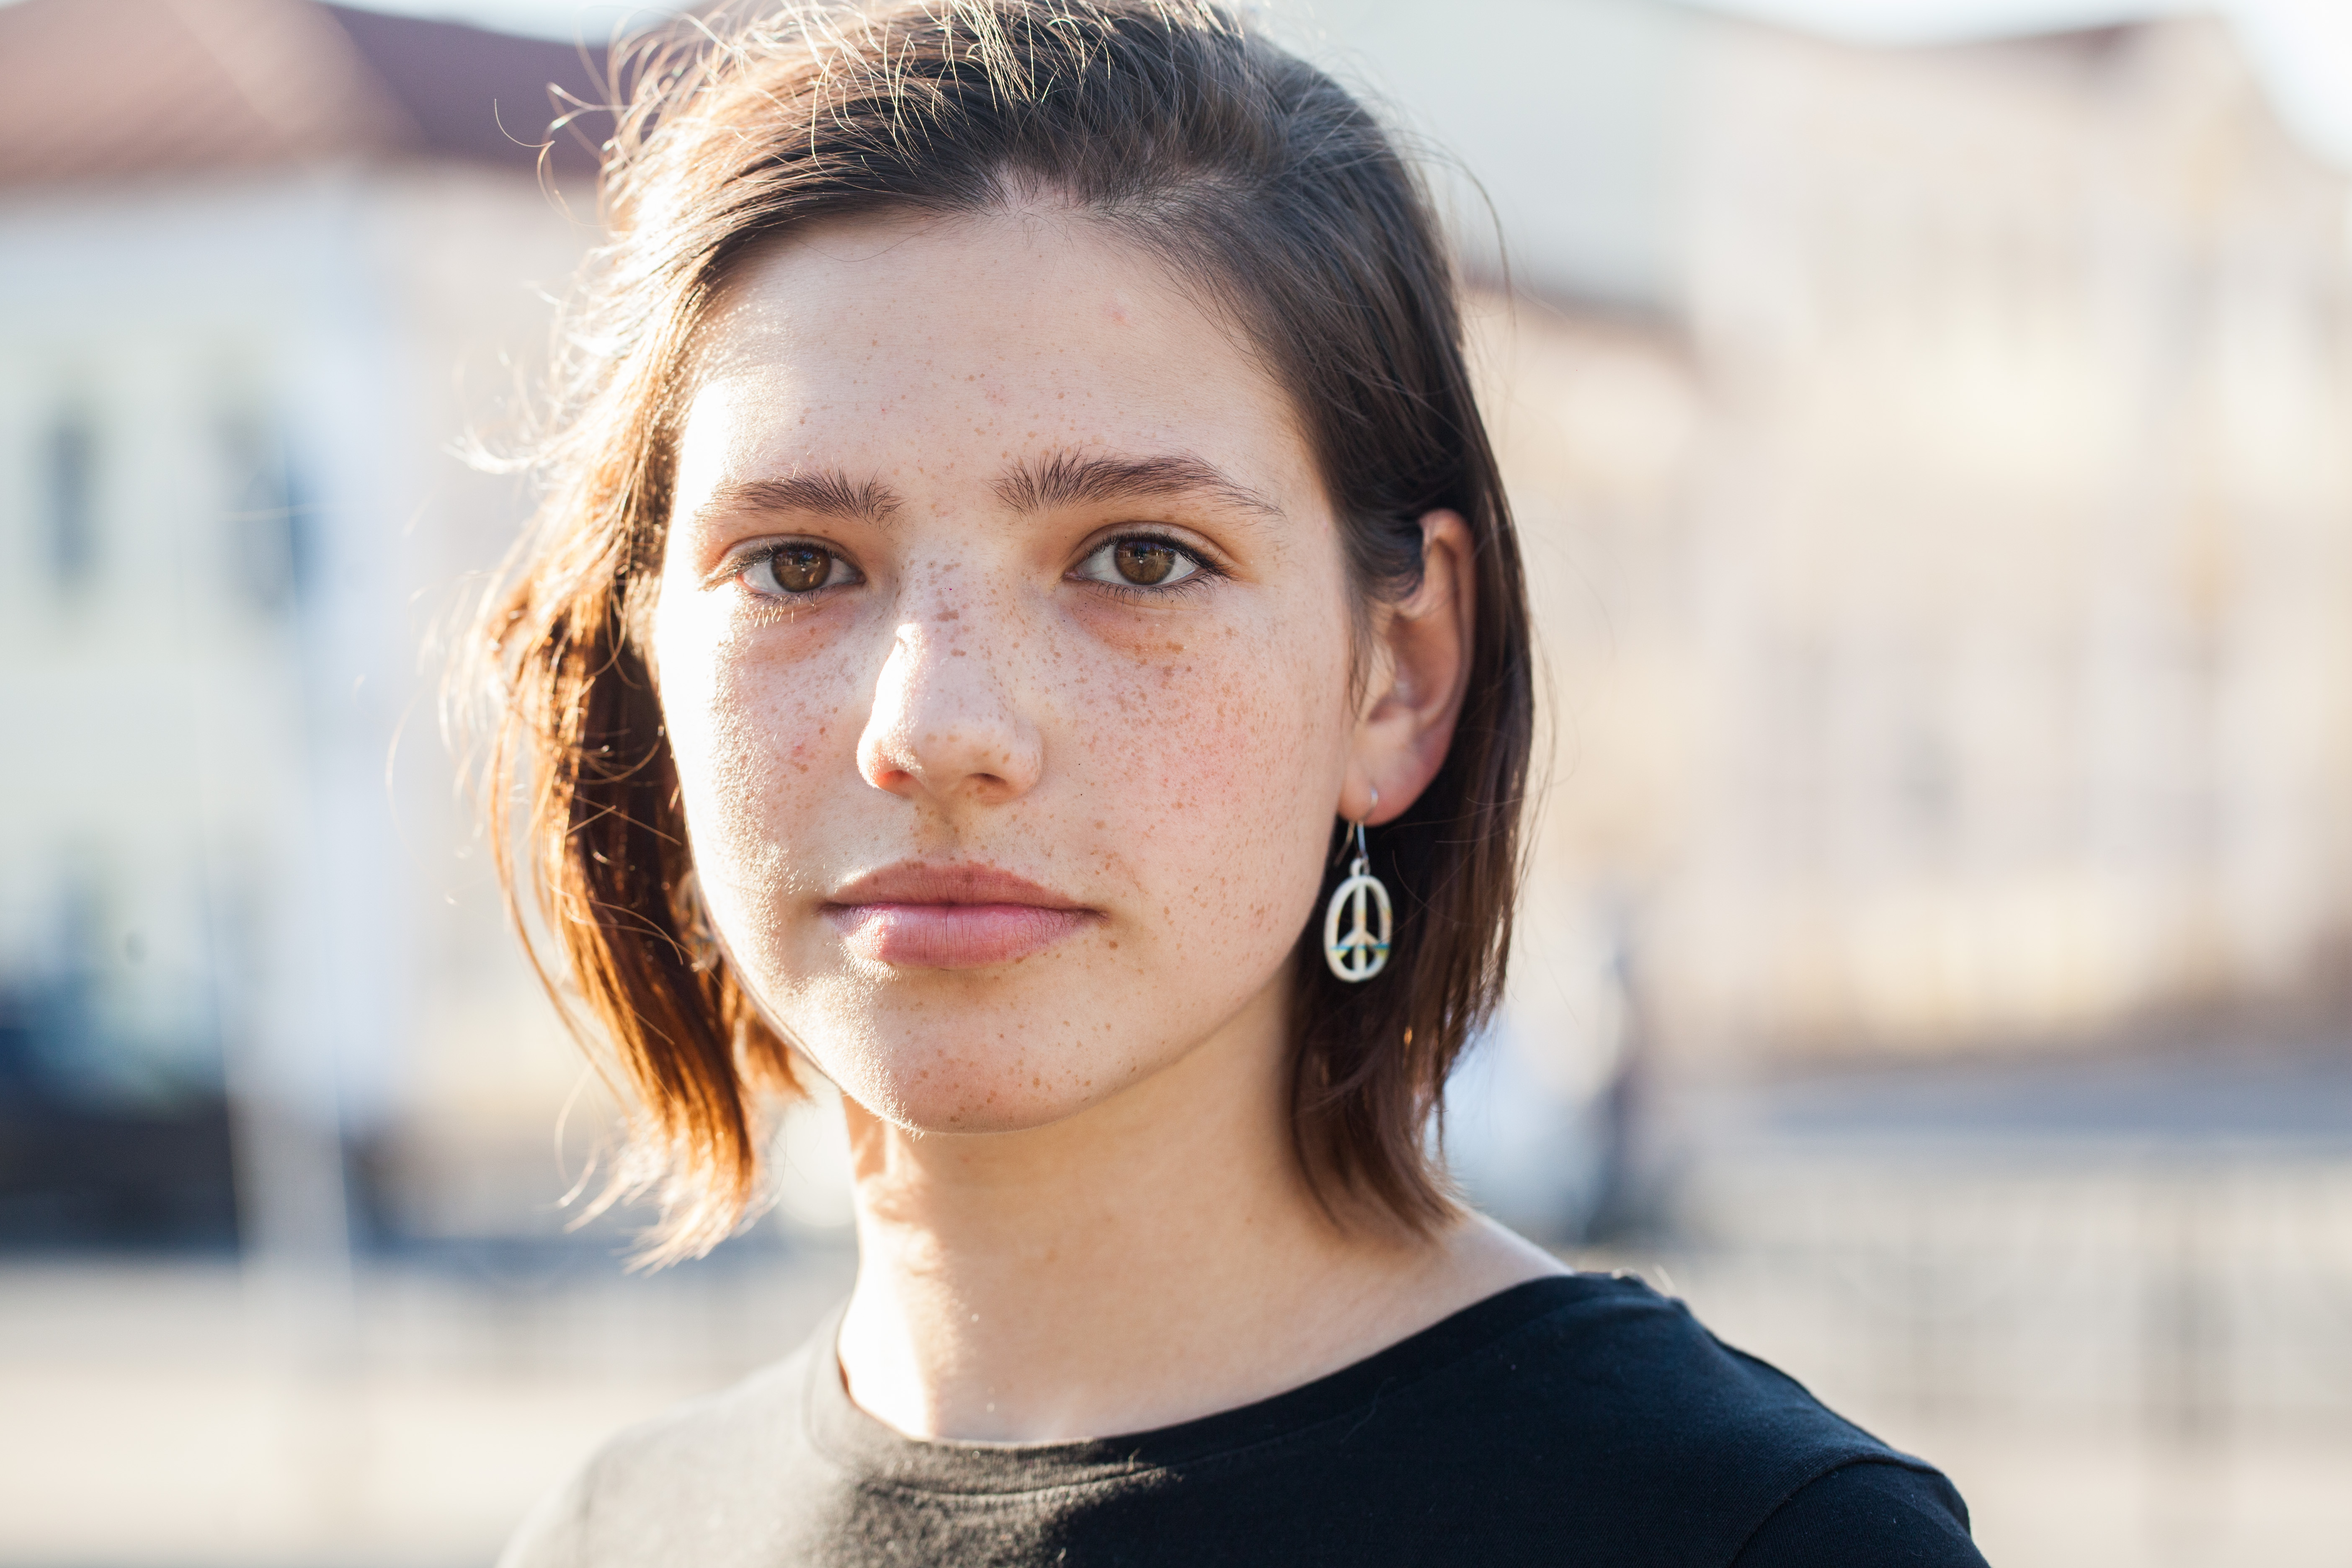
(2303, 48)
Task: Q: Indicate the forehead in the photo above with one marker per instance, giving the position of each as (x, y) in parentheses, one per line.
(928, 346)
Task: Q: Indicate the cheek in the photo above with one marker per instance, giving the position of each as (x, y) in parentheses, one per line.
(747, 738)
(1224, 753)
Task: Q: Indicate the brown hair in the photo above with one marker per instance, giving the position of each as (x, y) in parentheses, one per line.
(1285, 206)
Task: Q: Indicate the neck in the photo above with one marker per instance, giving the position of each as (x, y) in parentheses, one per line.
(1156, 1258)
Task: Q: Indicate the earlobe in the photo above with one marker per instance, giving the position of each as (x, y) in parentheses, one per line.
(1407, 721)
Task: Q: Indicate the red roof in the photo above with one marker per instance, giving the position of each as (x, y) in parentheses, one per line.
(101, 90)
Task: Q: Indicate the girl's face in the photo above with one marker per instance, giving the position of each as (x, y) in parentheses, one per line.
(1003, 644)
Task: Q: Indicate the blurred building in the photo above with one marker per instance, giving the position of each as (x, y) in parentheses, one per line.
(1936, 467)
(2022, 543)
(1932, 463)
(261, 263)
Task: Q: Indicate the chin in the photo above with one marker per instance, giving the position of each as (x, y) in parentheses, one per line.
(977, 1080)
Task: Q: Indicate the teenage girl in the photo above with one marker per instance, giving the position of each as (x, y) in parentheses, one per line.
(1026, 627)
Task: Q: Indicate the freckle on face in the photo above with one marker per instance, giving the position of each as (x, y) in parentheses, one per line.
(1174, 810)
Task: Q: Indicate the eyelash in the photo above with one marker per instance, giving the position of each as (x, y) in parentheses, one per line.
(1205, 571)
(767, 554)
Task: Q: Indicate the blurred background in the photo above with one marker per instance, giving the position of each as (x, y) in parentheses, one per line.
(1931, 426)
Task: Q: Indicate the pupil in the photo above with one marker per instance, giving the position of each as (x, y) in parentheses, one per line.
(802, 568)
(1141, 561)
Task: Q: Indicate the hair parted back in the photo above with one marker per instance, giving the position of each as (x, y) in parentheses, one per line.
(1286, 208)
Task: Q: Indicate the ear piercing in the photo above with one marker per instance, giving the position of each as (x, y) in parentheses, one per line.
(1359, 954)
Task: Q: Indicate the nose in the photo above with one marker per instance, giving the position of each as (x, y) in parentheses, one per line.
(945, 727)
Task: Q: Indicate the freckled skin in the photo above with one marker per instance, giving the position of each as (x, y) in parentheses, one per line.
(1079, 1209)
(1170, 762)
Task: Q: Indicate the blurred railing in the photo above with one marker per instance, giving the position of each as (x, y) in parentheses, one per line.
(2125, 1353)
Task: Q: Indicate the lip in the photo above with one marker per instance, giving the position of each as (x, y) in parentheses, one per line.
(950, 917)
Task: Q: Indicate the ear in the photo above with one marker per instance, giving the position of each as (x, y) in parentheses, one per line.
(1420, 671)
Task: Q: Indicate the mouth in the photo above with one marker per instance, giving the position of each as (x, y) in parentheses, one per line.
(950, 917)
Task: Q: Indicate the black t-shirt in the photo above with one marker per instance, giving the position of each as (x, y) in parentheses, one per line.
(1577, 1420)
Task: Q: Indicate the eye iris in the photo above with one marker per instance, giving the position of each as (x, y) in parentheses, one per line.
(801, 568)
(1141, 561)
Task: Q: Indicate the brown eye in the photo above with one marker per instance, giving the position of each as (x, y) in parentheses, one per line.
(794, 569)
(1139, 561)
(801, 568)
(1143, 561)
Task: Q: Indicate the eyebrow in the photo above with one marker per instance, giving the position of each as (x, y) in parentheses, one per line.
(1067, 478)
(826, 495)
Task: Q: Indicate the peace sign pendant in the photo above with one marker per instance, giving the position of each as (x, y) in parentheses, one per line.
(1359, 954)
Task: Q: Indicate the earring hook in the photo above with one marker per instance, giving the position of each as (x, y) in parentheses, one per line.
(1363, 951)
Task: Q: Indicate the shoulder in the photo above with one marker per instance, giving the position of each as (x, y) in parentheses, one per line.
(643, 1496)
(1612, 1403)
(1870, 1514)
(1608, 1351)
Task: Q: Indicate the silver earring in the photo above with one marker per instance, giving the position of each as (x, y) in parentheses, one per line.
(1358, 956)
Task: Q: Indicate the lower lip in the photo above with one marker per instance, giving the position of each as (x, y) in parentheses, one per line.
(951, 936)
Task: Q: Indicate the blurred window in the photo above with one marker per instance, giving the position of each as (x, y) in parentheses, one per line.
(69, 467)
(267, 532)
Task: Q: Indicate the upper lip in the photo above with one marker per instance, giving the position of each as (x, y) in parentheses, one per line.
(911, 882)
